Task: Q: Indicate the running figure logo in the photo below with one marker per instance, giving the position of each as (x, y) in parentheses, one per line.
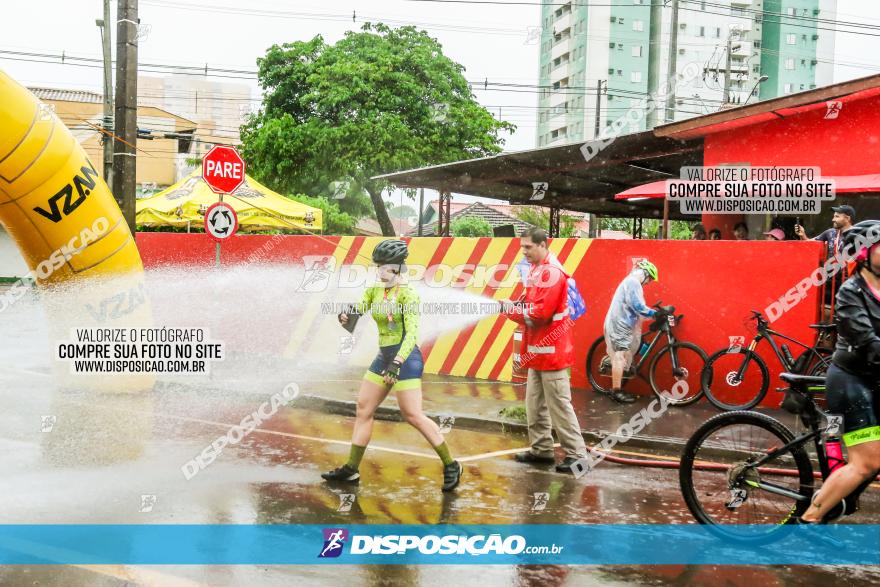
(833, 108)
(318, 271)
(47, 423)
(147, 503)
(446, 423)
(334, 540)
(736, 343)
(835, 422)
(539, 190)
(346, 500)
(541, 499)
(346, 345)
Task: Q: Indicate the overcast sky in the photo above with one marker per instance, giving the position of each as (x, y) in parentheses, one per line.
(491, 41)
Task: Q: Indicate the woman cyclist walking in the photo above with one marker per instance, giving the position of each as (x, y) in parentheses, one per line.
(853, 377)
(398, 366)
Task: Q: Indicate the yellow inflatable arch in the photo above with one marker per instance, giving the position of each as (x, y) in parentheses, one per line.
(51, 197)
(68, 227)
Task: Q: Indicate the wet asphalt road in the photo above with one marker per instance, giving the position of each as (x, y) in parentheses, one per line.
(103, 456)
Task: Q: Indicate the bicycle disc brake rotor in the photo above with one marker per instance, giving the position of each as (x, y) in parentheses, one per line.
(732, 379)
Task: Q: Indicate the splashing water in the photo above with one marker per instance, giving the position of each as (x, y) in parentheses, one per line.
(83, 449)
(262, 315)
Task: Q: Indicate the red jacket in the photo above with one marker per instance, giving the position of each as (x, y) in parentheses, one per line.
(548, 341)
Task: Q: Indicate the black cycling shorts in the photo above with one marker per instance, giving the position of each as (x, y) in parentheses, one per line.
(852, 397)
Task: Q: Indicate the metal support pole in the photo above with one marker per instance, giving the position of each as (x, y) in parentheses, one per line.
(637, 228)
(554, 222)
(443, 219)
(665, 232)
(107, 122)
(217, 248)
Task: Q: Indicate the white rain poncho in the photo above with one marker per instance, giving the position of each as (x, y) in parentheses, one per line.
(622, 323)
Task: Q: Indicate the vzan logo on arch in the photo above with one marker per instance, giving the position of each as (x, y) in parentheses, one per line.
(83, 184)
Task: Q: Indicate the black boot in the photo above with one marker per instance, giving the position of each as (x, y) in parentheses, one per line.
(344, 474)
(452, 475)
(622, 397)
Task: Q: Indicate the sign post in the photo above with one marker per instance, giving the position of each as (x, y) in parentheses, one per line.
(223, 170)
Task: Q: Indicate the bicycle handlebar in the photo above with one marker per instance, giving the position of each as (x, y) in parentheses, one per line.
(759, 317)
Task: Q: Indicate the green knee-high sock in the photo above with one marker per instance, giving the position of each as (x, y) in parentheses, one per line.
(355, 456)
(443, 453)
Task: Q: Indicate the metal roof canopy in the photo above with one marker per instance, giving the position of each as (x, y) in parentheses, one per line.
(574, 182)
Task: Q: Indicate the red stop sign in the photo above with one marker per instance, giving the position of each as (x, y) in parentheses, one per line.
(223, 169)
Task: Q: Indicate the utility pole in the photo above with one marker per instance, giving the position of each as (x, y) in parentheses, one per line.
(672, 65)
(591, 227)
(107, 122)
(727, 69)
(124, 155)
(599, 104)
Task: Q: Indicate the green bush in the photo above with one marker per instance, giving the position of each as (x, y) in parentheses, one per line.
(517, 413)
(470, 226)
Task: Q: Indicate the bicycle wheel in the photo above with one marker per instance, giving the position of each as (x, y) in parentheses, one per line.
(725, 390)
(601, 382)
(691, 360)
(817, 366)
(718, 486)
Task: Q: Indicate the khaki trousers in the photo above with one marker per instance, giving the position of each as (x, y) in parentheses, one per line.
(548, 407)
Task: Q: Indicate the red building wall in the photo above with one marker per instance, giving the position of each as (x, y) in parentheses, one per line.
(714, 283)
(848, 144)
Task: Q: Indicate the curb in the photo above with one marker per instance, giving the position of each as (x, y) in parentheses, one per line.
(483, 424)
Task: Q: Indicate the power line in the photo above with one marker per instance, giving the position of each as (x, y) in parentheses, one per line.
(286, 14)
(701, 11)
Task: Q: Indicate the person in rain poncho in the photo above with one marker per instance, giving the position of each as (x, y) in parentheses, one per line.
(623, 326)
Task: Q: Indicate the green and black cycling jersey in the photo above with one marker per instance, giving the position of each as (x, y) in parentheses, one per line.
(396, 313)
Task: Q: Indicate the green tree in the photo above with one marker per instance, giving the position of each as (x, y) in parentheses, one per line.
(470, 226)
(401, 212)
(541, 218)
(335, 221)
(379, 100)
(678, 229)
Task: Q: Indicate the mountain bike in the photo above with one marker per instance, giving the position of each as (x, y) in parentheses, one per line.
(742, 376)
(746, 468)
(674, 361)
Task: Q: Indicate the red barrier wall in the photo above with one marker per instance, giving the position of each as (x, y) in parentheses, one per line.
(844, 145)
(714, 283)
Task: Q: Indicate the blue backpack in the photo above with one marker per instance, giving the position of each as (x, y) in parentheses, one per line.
(576, 305)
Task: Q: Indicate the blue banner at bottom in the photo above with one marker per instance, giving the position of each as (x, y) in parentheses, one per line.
(530, 544)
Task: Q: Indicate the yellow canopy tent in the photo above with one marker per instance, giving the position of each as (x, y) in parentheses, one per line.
(259, 208)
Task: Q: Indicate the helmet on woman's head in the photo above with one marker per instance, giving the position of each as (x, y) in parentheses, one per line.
(649, 268)
(390, 252)
(863, 237)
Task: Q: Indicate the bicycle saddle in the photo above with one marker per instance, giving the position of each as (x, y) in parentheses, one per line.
(802, 380)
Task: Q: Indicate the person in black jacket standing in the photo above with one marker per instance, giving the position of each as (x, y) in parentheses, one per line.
(854, 376)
